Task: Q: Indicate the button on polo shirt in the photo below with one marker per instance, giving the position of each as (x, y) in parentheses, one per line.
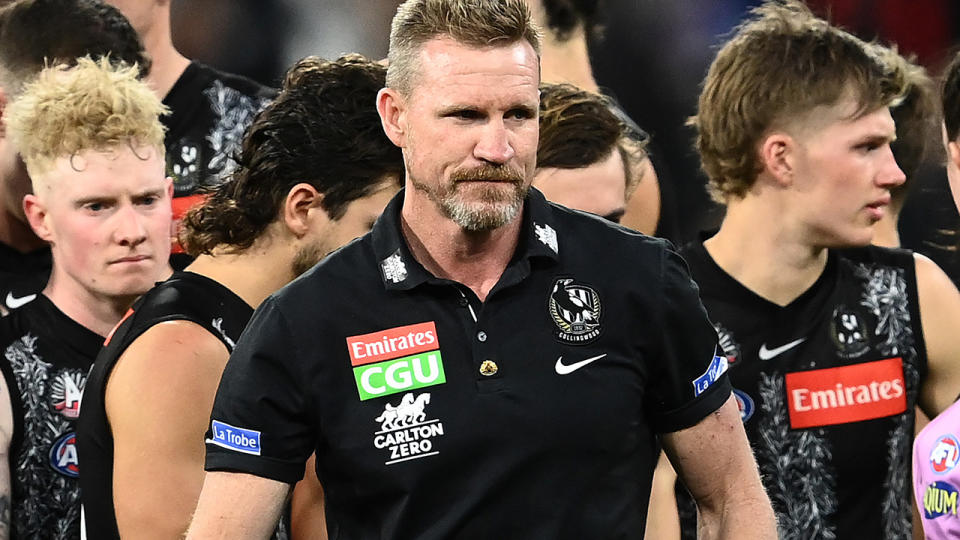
(593, 341)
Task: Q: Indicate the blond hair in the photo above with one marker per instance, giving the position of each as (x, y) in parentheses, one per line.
(94, 105)
(780, 64)
(475, 23)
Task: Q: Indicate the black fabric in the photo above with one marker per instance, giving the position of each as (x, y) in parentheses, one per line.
(47, 356)
(543, 424)
(22, 276)
(184, 297)
(828, 475)
(210, 110)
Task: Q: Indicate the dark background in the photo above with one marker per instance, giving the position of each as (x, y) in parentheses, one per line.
(652, 57)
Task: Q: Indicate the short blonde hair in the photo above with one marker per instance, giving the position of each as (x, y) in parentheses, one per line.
(94, 105)
(476, 23)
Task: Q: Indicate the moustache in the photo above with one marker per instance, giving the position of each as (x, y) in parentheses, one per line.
(488, 174)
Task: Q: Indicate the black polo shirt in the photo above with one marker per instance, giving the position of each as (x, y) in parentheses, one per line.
(530, 415)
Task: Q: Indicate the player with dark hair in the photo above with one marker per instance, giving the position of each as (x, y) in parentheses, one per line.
(34, 33)
(316, 170)
(584, 152)
(210, 109)
(950, 93)
(831, 341)
(914, 114)
(936, 450)
(478, 366)
(565, 58)
(92, 142)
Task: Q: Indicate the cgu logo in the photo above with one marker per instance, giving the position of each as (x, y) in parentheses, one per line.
(393, 376)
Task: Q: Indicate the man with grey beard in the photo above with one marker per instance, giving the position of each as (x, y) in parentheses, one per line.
(478, 366)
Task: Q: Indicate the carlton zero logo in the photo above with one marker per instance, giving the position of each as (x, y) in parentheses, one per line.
(396, 360)
(405, 430)
(825, 397)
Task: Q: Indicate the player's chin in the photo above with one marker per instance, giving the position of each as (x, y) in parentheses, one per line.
(130, 287)
(131, 284)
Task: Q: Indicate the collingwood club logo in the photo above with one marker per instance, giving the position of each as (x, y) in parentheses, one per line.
(849, 332)
(575, 309)
(405, 430)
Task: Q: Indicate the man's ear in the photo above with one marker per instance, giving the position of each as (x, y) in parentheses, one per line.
(391, 106)
(3, 110)
(301, 207)
(36, 213)
(953, 152)
(777, 156)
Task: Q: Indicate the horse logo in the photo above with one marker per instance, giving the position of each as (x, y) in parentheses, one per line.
(409, 412)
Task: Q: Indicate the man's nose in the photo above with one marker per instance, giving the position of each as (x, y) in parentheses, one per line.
(130, 229)
(494, 144)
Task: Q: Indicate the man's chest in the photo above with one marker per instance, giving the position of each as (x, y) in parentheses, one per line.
(432, 379)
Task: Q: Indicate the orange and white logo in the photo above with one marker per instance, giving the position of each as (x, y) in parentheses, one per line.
(392, 343)
(825, 397)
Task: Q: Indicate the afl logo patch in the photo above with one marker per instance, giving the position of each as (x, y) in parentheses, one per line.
(575, 309)
(744, 403)
(63, 456)
(945, 454)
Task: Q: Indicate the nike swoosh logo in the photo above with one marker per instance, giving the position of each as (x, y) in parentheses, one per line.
(767, 354)
(564, 369)
(13, 302)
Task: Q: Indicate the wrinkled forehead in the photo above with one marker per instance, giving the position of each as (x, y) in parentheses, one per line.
(446, 62)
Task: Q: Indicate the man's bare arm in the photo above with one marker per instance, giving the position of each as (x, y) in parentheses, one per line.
(237, 506)
(715, 462)
(663, 520)
(939, 312)
(6, 434)
(307, 511)
(158, 401)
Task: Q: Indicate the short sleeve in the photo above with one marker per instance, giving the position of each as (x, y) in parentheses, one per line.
(688, 378)
(260, 422)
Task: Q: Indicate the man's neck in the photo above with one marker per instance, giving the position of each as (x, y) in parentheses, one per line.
(168, 63)
(97, 313)
(474, 259)
(18, 235)
(885, 232)
(763, 254)
(253, 275)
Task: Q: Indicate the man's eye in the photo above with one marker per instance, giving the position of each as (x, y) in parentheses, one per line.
(466, 115)
(519, 114)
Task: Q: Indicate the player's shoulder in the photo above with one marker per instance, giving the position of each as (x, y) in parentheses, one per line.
(887, 256)
(31, 317)
(592, 232)
(212, 76)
